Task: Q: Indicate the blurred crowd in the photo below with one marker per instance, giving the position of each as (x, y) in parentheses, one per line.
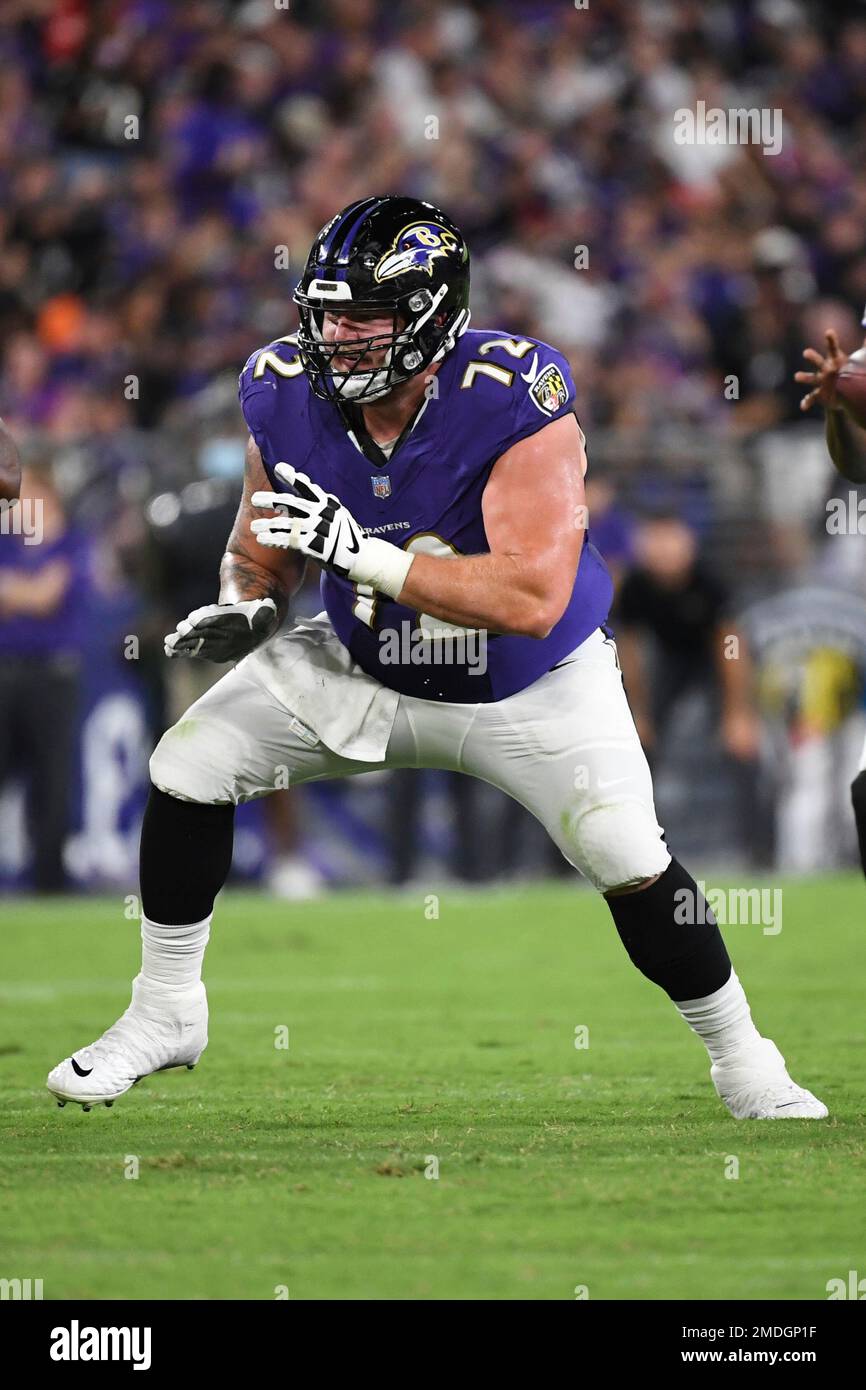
(164, 168)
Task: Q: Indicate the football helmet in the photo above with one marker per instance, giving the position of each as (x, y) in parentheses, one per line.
(385, 256)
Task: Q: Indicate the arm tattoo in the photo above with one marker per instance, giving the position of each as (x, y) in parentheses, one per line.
(247, 570)
(241, 579)
(247, 575)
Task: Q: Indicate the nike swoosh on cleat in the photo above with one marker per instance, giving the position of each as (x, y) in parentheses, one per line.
(79, 1071)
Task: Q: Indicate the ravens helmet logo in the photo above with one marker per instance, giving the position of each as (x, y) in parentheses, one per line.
(415, 248)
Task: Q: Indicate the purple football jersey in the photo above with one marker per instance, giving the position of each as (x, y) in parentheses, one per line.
(491, 390)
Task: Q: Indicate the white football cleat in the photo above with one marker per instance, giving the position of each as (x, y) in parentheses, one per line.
(160, 1029)
(755, 1085)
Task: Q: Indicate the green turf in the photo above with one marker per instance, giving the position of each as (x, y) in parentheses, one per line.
(410, 1037)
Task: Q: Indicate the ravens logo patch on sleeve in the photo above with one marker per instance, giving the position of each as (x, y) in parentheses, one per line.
(549, 391)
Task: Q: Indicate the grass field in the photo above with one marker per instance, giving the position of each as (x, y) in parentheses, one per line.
(452, 1038)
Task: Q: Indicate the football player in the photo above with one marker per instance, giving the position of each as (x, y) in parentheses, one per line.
(434, 473)
(846, 442)
(10, 467)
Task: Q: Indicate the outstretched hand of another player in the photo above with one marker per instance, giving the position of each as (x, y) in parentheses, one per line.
(317, 525)
(223, 631)
(823, 379)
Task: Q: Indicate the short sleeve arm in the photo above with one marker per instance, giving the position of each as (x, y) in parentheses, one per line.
(257, 392)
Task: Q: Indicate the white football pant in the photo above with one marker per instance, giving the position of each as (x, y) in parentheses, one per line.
(299, 710)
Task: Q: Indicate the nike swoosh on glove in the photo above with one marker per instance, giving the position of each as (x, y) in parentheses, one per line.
(223, 631)
(317, 525)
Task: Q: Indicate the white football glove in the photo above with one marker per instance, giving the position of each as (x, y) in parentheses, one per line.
(316, 524)
(223, 631)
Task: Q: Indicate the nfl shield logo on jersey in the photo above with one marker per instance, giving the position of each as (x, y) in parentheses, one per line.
(381, 485)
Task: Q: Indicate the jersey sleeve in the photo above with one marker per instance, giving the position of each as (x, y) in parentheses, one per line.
(545, 391)
(541, 389)
(258, 385)
(257, 393)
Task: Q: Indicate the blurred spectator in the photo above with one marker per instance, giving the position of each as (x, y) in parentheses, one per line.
(671, 601)
(467, 861)
(611, 526)
(44, 583)
(676, 638)
(164, 169)
(187, 534)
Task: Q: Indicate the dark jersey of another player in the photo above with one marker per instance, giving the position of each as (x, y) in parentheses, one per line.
(490, 392)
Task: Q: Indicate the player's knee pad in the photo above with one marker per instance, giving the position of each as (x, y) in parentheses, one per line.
(190, 762)
(617, 845)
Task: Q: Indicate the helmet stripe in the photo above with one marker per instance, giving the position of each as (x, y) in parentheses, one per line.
(340, 243)
(370, 205)
(325, 249)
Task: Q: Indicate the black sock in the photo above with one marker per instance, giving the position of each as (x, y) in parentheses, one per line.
(671, 935)
(186, 854)
(858, 801)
